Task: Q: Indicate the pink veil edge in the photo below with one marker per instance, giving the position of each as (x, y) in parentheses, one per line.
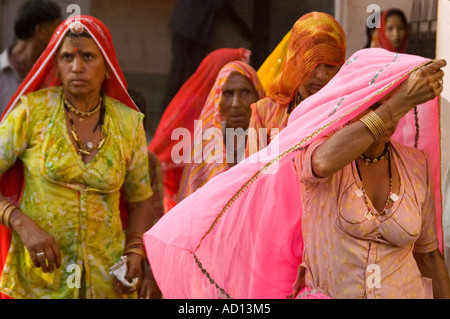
(239, 236)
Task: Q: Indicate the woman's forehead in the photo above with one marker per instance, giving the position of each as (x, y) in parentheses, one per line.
(237, 79)
(81, 43)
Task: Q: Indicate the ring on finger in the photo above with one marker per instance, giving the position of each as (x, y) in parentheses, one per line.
(40, 254)
(440, 81)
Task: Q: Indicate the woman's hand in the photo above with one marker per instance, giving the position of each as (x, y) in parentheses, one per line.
(149, 288)
(298, 284)
(421, 86)
(135, 269)
(41, 246)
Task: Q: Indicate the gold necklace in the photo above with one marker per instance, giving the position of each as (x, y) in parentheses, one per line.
(82, 113)
(86, 148)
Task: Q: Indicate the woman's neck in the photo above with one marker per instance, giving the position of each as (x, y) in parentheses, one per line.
(83, 103)
(376, 149)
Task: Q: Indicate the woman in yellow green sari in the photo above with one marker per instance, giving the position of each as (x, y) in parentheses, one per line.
(82, 144)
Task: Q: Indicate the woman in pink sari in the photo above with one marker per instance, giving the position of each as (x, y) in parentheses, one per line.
(242, 234)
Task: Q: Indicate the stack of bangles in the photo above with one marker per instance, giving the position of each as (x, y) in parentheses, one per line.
(134, 244)
(375, 124)
(6, 209)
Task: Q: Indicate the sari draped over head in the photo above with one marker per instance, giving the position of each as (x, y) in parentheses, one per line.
(239, 236)
(271, 67)
(42, 75)
(381, 40)
(182, 111)
(208, 157)
(315, 38)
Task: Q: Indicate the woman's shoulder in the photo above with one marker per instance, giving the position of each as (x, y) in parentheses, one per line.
(126, 116)
(407, 151)
(265, 104)
(415, 159)
(265, 108)
(42, 101)
(44, 95)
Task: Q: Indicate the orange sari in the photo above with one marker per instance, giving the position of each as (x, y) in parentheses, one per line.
(315, 38)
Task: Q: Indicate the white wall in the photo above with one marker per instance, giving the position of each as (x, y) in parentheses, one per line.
(352, 15)
(443, 52)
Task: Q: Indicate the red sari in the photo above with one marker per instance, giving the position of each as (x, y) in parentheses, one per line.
(182, 111)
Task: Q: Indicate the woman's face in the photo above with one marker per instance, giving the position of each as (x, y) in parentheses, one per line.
(395, 31)
(318, 78)
(238, 93)
(81, 66)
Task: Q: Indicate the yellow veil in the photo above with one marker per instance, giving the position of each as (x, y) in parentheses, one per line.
(271, 67)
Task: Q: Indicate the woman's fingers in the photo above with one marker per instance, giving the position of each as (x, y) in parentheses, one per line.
(34, 257)
(423, 84)
(434, 66)
(53, 257)
(44, 252)
(48, 257)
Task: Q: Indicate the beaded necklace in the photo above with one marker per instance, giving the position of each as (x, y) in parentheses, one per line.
(82, 114)
(86, 148)
(391, 197)
(369, 160)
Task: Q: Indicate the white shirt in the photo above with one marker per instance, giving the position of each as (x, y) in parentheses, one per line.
(9, 80)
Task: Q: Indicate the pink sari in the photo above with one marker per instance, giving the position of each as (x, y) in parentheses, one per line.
(239, 236)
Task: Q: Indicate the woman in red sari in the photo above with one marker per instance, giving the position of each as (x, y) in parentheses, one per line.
(81, 142)
(183, 110)
(224, 121)
(393, 32)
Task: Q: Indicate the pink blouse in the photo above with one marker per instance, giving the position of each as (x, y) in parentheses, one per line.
(347, 255)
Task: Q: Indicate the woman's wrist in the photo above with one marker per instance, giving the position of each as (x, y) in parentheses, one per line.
(17, 219)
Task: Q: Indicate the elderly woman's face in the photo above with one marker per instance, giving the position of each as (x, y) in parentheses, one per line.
(81, 66)
(238, 93)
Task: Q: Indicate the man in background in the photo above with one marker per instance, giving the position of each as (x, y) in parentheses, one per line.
(35, 22)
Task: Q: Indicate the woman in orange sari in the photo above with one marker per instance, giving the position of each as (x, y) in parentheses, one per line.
(183, 110)
(316, 51)
(226, 113)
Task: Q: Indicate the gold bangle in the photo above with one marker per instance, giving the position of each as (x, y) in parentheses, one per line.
(4, 206)
(134, 245)
(134, 234)
(135, 251)
(7, 215)
(375, 124)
